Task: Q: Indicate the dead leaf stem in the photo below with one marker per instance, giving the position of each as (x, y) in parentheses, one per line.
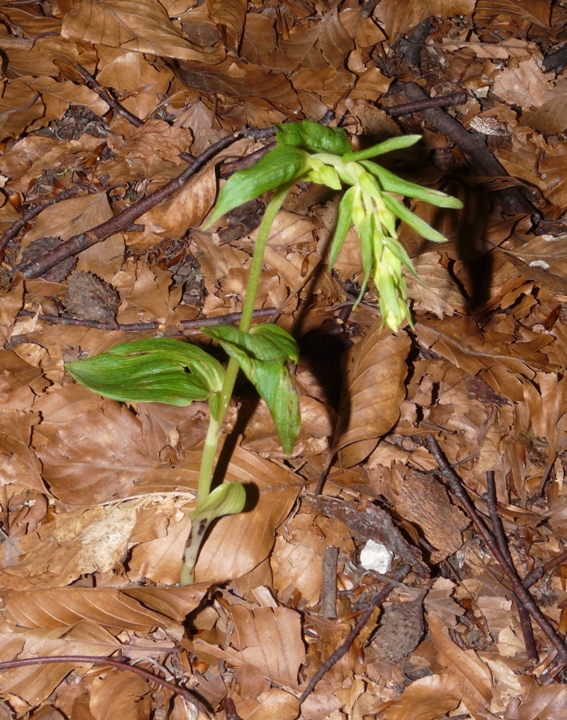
(342, 650)
(456, 486)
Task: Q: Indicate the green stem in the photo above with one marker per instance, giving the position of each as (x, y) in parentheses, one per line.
(215, 424)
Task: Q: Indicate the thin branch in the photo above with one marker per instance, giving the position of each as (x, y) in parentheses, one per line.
(538, 573)
(502, 542)
(474, 146)
(124, 219)
(108, 99)
(342, 650)
(456, 98)
(457, 488)
(188, 695)
(227, 319)
(31, 212)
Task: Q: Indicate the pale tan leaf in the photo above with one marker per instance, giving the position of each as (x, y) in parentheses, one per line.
(120, 694)
(375, 373)
(427, 698)
(525, 85)
(19, 467)
(139, 25)
(270, 640)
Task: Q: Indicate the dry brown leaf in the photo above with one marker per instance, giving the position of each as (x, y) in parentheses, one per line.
(464, 665)
(65, 607)
(139, 25)
(424, 501)
(374, 388)
(228, 16)
(282, 655)
(427, 698)
(238, 543)
(120, 694)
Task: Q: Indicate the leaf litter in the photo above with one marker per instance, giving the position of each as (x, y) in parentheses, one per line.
(102, 105)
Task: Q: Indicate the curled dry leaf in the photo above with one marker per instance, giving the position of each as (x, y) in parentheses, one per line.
(374, 388)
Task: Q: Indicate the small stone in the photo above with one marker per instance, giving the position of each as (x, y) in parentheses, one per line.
(91, 298)
(401, 629)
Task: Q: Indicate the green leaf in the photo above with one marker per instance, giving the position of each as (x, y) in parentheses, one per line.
(281, 166)
(154, 370)
(262, 355)
(313, 137)
(229, 498)
(415, 222)
(396, 143)
(393, 183)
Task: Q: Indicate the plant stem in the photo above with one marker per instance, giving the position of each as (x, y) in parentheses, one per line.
(215, 425)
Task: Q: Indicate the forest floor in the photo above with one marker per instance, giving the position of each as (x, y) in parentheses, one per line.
(444, 443)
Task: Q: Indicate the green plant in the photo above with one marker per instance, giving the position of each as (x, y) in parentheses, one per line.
(171, 371)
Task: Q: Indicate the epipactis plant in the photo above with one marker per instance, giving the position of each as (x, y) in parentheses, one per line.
(174, 372)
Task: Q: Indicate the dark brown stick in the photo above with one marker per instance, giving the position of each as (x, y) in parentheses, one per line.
(228, 318)
(457, 488)
(81, 242)
(456, 98)
(334, 658)
(108, 99)
(538, 573)
(31, 212)
(113, 662)
(474, 146)
(502, 542)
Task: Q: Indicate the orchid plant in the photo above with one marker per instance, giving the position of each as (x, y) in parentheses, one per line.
(175, 372)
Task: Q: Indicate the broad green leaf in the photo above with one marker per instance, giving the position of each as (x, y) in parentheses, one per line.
(396, 143)
(154, 370)
(415, 222)
(262, 355)
(281, 166)
(393, 183)
(229, 498)
(313, 137)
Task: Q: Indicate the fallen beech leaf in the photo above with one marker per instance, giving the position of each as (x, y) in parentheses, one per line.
(228, 16)
(140, 25)
(374, 388)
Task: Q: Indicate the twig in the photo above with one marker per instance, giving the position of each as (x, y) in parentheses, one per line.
(455, 485)
(188, 695)
(226, 319)
(230, 709)
(31, 212)
(108, 99)
(456, 98)
(399, 575)
(473, 145)
(500, 536)
(411, 48)
(329, 584)
(78, 243)
(538, 573)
